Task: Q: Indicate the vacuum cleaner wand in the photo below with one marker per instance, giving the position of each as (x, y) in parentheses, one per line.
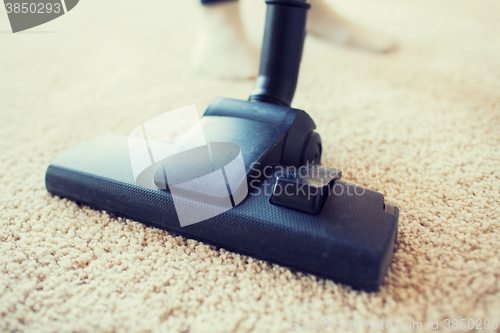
(281, 52)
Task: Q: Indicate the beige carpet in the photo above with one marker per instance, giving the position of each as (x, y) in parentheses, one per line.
(421, 125)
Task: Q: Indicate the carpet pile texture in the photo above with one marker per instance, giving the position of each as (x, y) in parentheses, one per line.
(420, 125)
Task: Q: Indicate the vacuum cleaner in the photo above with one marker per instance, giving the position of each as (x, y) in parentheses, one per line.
(319, 225)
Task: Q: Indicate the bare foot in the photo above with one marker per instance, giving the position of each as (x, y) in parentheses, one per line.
(222, 49)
